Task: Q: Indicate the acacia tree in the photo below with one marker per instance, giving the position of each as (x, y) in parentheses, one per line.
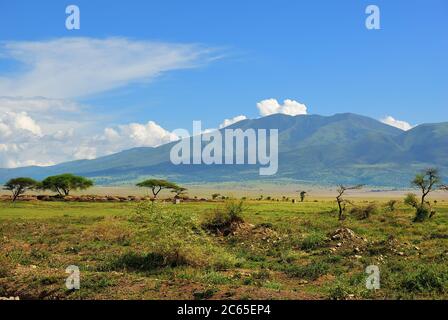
(427, 181)
(19, 186)
(179, 191)
(302, 196)
(64, 183)
(157, 185)
(342, 202)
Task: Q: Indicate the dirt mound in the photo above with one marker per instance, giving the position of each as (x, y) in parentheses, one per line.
(345, 239)
(260, 232)
(244, 230)
(343, 234)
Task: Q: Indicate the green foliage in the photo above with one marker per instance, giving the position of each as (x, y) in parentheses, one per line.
(225, 217)
(422, 213)
(411, 200)
(19, 186)
(302, 196)
(179, 191)
(176, 238)
(427, 181)
(64, 183)
(157, 185)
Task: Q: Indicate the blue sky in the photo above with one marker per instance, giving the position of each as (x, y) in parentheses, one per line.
(318, 53)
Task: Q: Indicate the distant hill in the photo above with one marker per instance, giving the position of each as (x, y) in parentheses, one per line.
(344, 148)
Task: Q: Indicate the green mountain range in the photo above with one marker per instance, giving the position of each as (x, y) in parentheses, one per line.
(343, 148)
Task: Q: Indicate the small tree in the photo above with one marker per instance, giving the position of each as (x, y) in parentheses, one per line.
(215, 196)
(179, 192)
(64, 183)
(342, 202)
(157, 185)
(426, 181)
(19, 186)
(302, 196)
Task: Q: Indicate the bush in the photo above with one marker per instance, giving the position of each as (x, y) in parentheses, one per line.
(411, 200)
(225, 219)
(422, 213)
(364, 212)
(176, 239)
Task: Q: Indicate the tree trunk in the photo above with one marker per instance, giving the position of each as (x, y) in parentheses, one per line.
(340, 209)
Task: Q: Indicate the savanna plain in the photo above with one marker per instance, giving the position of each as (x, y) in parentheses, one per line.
(251, 248)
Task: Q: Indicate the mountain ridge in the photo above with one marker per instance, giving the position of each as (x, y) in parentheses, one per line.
(343, 148)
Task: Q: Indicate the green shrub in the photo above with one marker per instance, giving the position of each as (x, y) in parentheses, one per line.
(175, 238)
(422, 213)
(411, 200)
(225, 218)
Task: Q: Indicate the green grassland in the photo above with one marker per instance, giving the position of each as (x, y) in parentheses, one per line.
(283, 250)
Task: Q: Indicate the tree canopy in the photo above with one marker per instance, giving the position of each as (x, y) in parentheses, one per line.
(64, 183)
(19, 186)
(426, 181)
(157, 185)
(179, 191)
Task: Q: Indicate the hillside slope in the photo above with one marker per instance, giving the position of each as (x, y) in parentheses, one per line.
(344, 148)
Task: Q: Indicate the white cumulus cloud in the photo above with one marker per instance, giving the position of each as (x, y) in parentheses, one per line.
(289, 107)
(228, 122)
(12, 123)
(403, 125)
